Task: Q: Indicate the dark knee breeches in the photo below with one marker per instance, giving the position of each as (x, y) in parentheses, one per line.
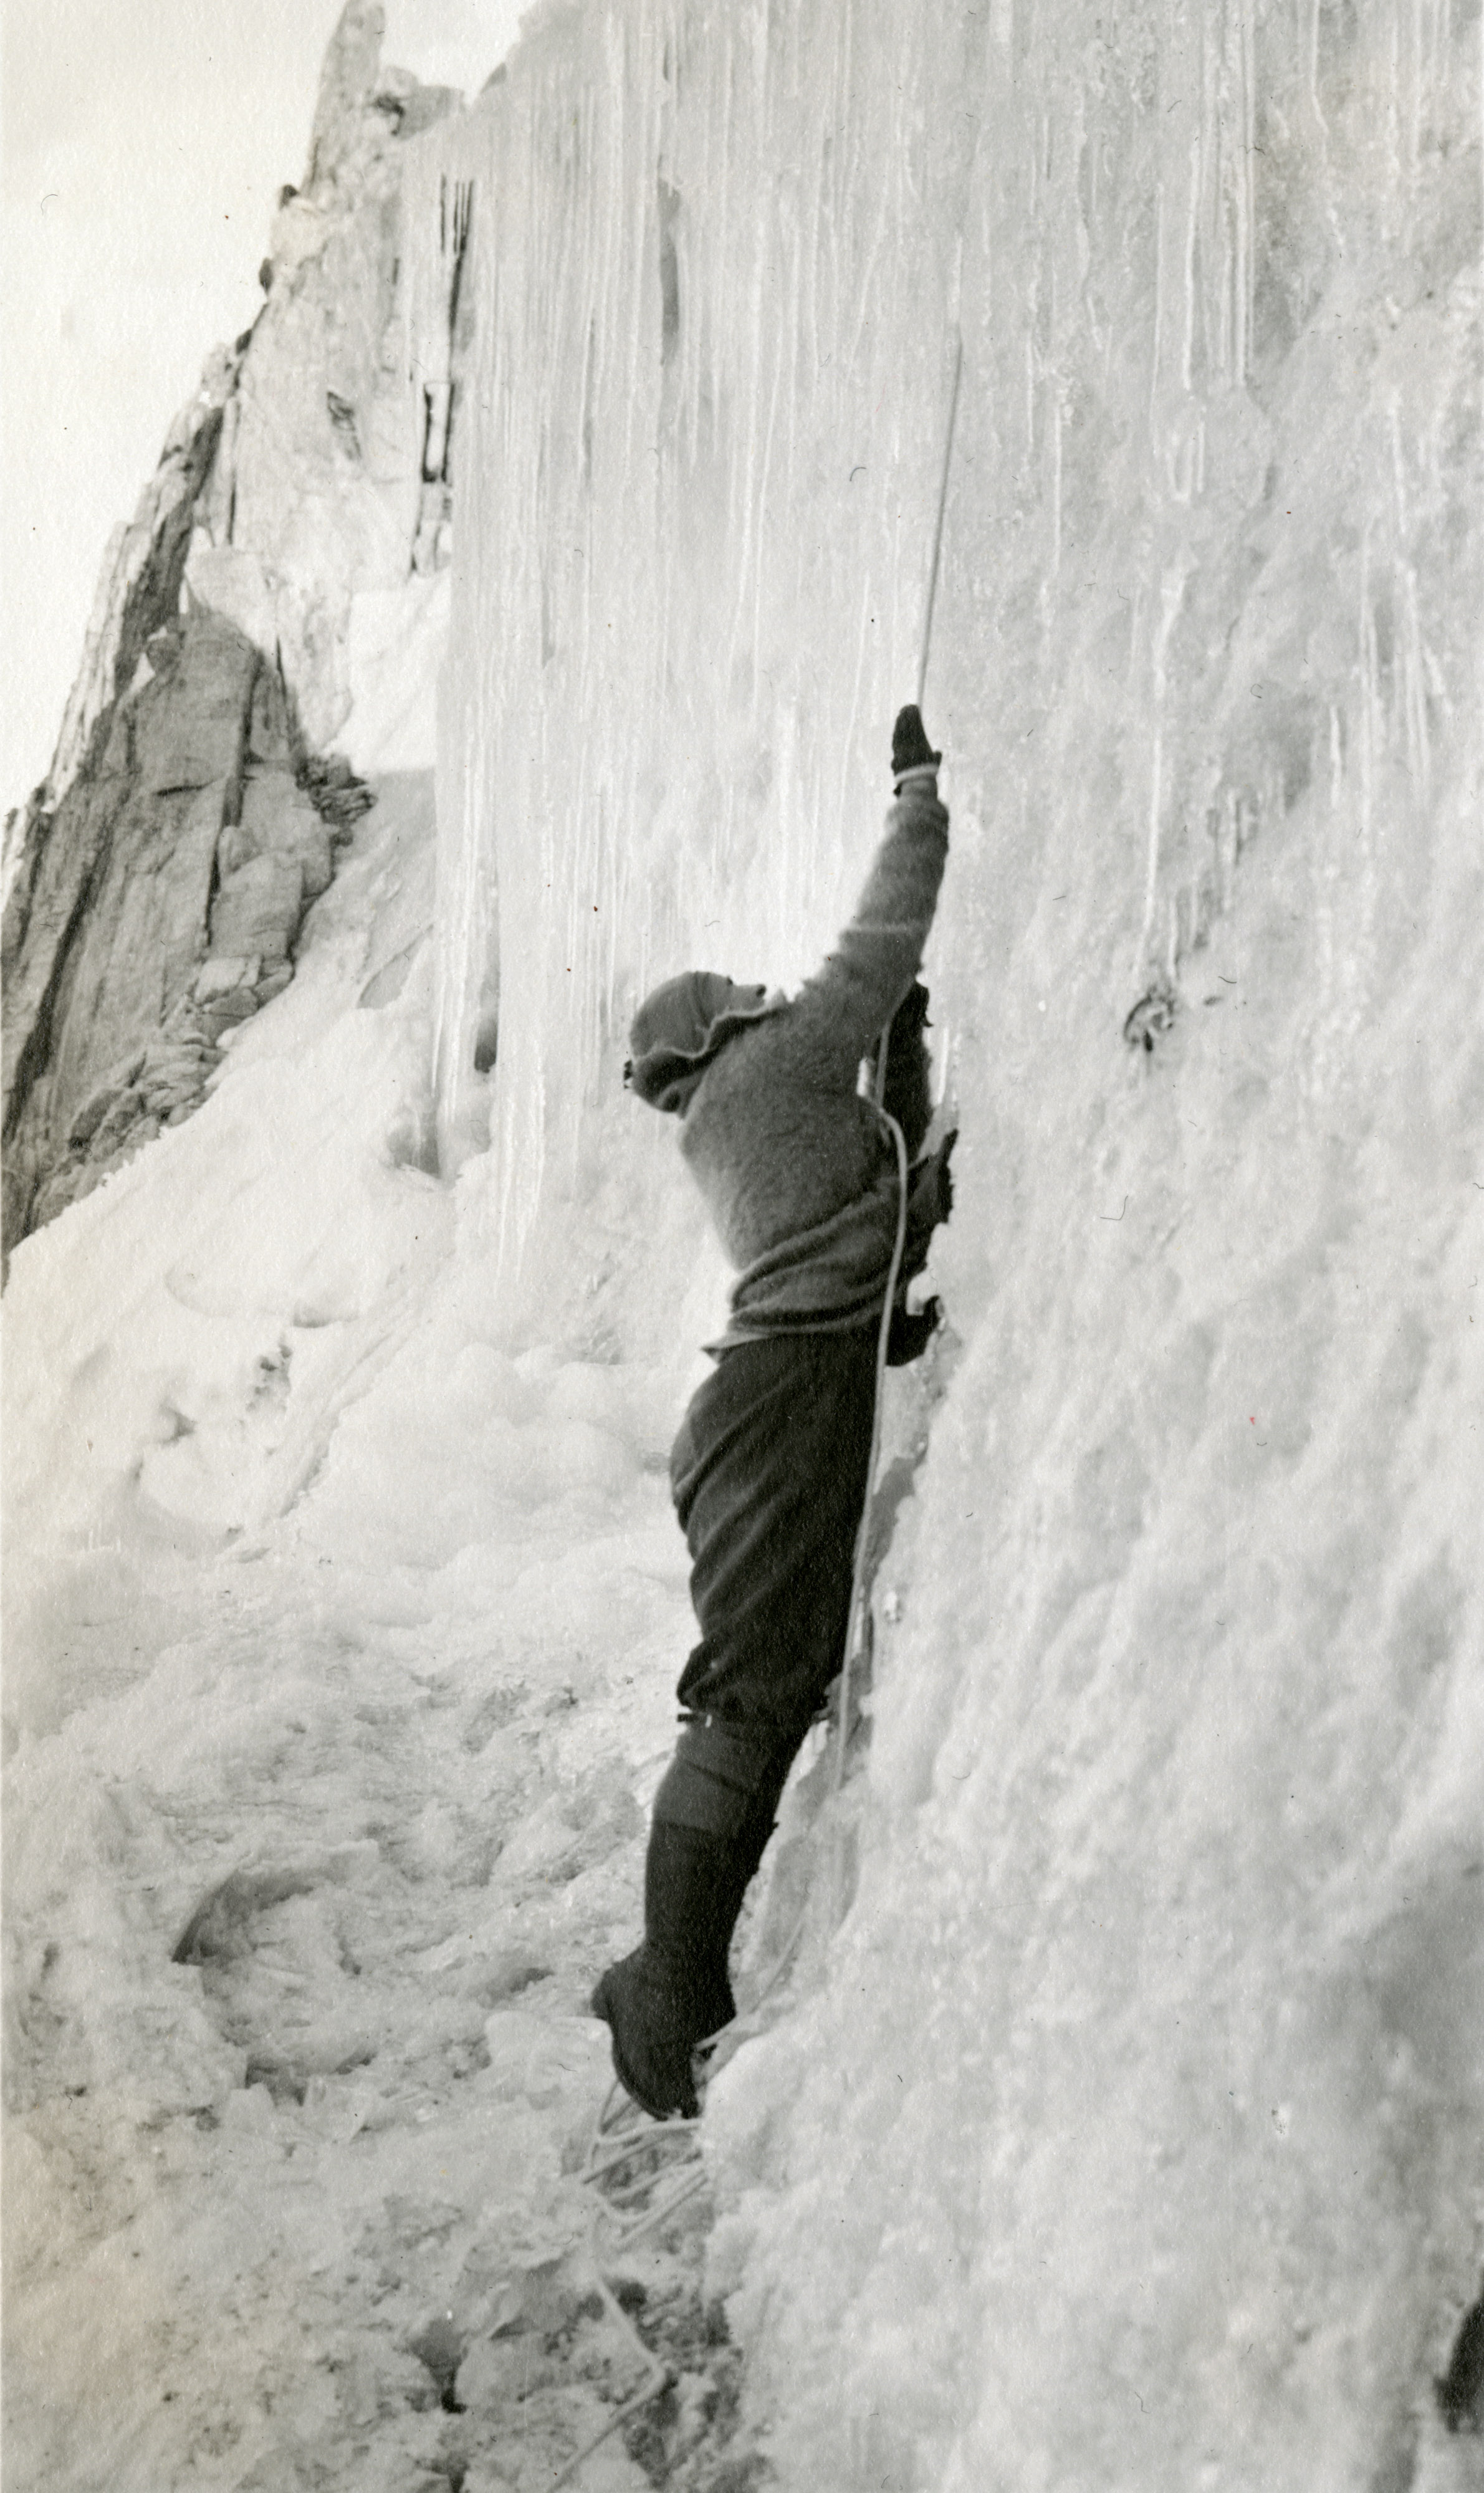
(768, 1473)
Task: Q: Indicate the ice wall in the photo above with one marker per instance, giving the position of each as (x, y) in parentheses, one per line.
(1133, 2140)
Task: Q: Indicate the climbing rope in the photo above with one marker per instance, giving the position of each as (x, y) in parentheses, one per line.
(878, 1092)
(857, 1605)
(614, 2144)
(878, 1095)
(937, 534)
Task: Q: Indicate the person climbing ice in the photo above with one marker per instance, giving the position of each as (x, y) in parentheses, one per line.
(804, 1178)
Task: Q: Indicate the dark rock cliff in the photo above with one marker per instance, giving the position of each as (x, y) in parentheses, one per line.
(155, 908)
(156, 882)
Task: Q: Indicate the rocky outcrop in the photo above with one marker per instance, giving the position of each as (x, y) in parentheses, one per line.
(138, 585)
(331, 475)
(156, 882)
(159, 909)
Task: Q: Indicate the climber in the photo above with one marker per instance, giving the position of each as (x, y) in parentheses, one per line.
(769, 1472)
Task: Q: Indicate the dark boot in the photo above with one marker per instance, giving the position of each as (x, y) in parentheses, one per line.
(651, 2042)
(712, 1817)
(745, 1852)
(671, 1992)
(736, 1869)
(716, 2007)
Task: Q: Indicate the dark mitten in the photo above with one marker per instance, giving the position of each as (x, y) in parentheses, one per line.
(910, 748)
(910, 1018)
(929, 1200)
(910, 1335)
(943, 1178)
(908, 1093)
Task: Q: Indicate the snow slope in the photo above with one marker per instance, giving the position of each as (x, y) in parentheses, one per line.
(339, 1645)
(1125, 2131)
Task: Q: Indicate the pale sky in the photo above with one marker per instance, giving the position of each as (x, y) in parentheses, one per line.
(143, 148)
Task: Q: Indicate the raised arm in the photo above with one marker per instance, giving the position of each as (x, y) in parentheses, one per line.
(854, 994)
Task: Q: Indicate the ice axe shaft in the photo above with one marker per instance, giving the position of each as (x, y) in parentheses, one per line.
(937, 534)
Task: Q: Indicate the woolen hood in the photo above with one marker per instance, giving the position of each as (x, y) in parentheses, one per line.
(679, 1029)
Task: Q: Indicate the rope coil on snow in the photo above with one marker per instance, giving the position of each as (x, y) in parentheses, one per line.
(608, 2148)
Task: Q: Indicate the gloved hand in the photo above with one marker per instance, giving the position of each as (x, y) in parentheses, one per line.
(910, 748)
(910, 1335)
(929, 1200)
(908, 1093)
(910, 1018)
(935, 1179)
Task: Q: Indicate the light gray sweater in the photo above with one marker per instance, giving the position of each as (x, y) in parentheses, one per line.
(799, 1171)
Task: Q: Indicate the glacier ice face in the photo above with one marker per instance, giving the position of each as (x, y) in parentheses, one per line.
(1127, 2141)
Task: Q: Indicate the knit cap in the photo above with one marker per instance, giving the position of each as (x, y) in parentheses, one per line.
(679, 1029)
